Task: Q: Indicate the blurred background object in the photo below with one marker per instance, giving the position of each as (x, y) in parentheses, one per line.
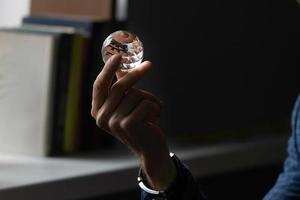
(71, 125)
(92, 9)
(11, 12)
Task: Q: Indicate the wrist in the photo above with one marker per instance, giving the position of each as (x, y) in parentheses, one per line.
(159, 169)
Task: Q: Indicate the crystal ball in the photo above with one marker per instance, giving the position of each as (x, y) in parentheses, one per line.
(126, 44)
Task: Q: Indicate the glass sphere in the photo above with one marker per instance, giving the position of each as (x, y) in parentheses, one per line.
(127, 45)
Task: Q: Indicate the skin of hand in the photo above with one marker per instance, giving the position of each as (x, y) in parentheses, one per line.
(130, 115)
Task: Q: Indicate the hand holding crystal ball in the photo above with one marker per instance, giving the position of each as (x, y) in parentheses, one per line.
(127, 45)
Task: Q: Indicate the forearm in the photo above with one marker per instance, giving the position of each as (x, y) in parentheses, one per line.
(158, 167)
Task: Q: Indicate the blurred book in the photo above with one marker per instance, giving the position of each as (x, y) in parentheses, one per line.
(69, 87)
(100, 10)
(73, 114)
(28, 64)
(91, 136)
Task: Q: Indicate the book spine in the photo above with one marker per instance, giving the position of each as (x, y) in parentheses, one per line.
(60, 93)
(74, 94)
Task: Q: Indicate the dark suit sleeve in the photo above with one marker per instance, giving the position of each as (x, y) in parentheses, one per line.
(287, 186)
(184, 187)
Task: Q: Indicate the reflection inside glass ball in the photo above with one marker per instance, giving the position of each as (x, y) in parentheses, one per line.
(127, 45)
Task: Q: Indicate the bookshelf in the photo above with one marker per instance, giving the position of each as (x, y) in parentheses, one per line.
(70, 62)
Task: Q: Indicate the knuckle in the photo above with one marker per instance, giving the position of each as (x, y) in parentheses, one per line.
(98, 85)
(127, 124)
(101, 121)
(93, 112)
(114, 124)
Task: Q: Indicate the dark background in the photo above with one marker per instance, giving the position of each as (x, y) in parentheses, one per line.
(221, 65)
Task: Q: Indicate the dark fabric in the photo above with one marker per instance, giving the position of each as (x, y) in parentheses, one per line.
(287, 186)
(184, 187)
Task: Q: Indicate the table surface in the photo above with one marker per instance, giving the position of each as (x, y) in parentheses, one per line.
(105, 172)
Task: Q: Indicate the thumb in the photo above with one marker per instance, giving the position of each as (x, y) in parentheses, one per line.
(144, 66)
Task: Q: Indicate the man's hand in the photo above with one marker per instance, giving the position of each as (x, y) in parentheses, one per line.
(130, 115)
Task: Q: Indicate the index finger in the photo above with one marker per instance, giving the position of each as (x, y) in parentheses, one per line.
(103, 81)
